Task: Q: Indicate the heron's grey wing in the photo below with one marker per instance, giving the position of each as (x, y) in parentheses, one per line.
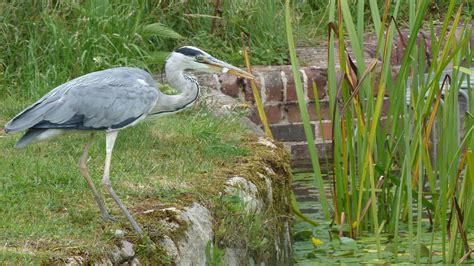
(107, 99)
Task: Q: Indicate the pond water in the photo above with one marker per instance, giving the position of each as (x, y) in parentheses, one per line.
(321, 244)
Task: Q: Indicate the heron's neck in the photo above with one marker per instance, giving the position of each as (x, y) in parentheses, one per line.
(186, 85)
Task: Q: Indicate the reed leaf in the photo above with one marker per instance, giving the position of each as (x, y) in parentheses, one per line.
(304, 112)
(256, 94)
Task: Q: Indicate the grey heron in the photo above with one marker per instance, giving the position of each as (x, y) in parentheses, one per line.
(113, 99)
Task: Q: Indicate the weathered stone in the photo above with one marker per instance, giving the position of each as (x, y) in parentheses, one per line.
(266, 142)
(134, 262)
(119, 233)
(170, 247)
(123, 253)
(74, 260)
(247, 192)
(237, 256)
(196, 237)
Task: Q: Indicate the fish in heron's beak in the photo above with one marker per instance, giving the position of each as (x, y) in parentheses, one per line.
(223, 67)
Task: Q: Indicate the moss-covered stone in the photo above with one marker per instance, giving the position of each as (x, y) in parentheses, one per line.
(258, 234)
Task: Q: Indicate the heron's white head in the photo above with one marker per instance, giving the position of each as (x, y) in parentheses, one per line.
(192, 58)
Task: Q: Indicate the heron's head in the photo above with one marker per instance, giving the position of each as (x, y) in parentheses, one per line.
(192, 58)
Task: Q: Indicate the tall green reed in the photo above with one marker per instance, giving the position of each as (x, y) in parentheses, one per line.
(304, 112)
(387, 169)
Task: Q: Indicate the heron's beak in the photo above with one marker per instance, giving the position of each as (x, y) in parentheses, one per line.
(223, 67)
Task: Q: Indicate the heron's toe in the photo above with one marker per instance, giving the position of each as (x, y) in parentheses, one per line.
(109, 218)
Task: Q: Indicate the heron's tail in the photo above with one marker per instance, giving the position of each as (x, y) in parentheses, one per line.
(39, 134)
(32, 135)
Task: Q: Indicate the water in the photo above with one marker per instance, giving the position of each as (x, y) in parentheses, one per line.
(321, 244)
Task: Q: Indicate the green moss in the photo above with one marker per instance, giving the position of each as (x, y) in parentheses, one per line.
(255, 232)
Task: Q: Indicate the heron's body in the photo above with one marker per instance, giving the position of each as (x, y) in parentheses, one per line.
(111, 100)
(108, 100)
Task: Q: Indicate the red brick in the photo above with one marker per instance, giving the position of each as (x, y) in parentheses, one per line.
(232, 85)
(253, 116)
(293, 111)
(398, 50)
(290, 87)
(273, 86)
(385, 106)
(300, 158)
(273, 113)
(318, 76)
(326, 129)
(248, 92)
(289, 132)
(324, 109)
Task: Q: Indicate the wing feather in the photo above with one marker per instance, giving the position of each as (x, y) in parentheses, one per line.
(106, 99)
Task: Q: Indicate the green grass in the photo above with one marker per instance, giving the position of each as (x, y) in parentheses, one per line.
(48, 211)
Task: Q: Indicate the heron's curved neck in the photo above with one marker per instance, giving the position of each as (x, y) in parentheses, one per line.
(186, 85)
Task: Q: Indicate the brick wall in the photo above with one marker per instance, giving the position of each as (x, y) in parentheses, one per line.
(277, 90)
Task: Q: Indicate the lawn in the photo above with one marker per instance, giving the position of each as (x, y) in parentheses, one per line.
(49, 212)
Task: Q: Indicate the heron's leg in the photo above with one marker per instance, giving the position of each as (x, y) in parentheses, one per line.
(85, 173)
(110, 140)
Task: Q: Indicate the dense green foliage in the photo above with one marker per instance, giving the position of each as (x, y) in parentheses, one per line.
(45, 43)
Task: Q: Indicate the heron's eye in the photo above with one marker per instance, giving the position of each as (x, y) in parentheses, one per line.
(199, 58)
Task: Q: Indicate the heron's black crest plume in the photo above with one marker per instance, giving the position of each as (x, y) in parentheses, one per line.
(188, 51)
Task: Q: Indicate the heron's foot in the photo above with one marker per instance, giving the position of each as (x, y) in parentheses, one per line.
(109, 218)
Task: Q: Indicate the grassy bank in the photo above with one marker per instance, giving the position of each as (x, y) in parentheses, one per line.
(49, 212)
